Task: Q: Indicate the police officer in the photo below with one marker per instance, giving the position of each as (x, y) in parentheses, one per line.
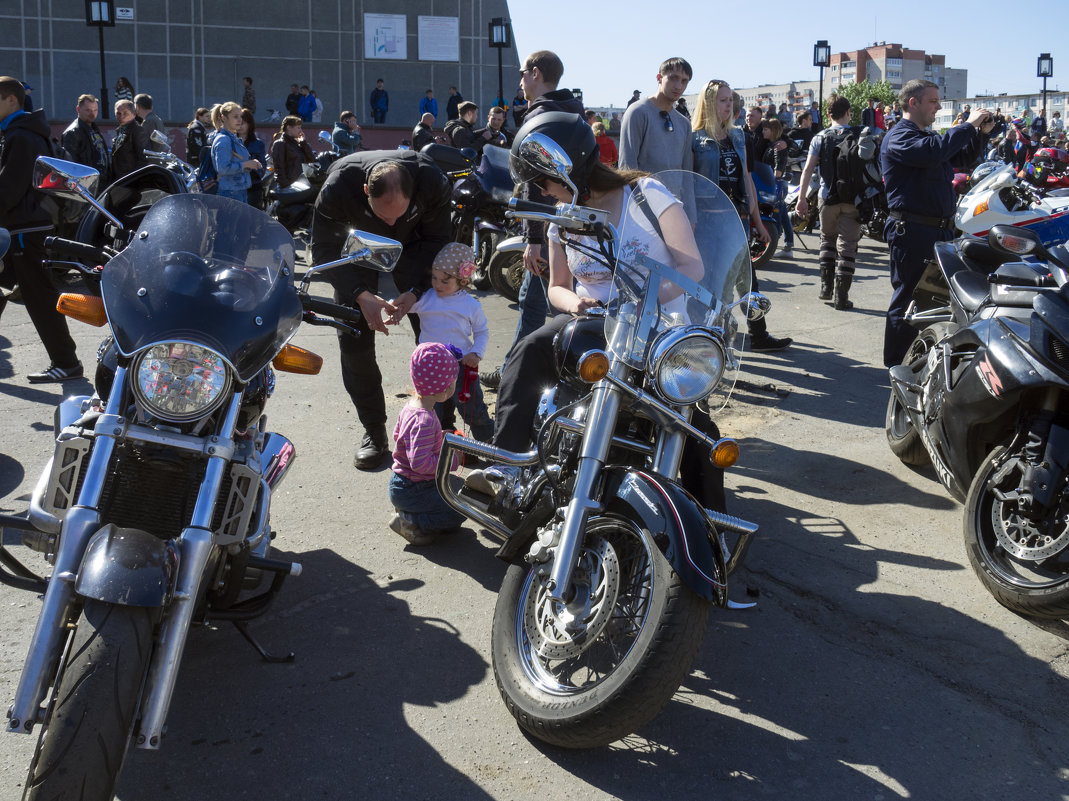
(402, 195)
(918, 171)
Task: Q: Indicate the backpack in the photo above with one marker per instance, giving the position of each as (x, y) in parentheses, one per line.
(207, 177)
(850, 166)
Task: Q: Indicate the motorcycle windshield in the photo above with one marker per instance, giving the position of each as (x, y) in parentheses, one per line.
(685, 269)
(206, 270)
(1003, 176)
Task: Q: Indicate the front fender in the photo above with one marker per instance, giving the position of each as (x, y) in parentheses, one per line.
(129, 567)
(677, 523)
(513, 243)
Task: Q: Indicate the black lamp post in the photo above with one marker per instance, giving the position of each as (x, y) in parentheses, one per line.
(821, 58)
(101, 14)
(1044, 70)
(500, 38)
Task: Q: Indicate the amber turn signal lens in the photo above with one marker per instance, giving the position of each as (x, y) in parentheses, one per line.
(292, 359)
(726, 453)
(593, 366)
(980, 208)
(84, 308)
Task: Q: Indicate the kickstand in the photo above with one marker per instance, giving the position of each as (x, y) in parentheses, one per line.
(243, 629)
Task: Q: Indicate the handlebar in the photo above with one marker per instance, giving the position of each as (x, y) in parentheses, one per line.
(565, 215)
(79, 250)
(345, 314)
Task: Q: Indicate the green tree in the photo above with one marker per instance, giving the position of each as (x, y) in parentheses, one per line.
(858, 94)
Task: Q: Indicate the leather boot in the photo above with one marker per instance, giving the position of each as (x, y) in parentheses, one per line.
(827, 277)
(842, 292)
(374, 447)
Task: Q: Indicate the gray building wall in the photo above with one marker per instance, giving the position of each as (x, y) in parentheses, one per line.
(190, 53)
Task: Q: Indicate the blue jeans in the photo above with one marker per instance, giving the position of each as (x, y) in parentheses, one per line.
(420, 502)
(378, 116)
(534, 307)
(783, 215)
(235, 194)
(473, 412)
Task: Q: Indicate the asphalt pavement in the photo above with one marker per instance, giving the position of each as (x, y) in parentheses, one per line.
(874, 666)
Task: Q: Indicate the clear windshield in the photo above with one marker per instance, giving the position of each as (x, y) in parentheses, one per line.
(689, 272)
(208, 270)
(997, 179)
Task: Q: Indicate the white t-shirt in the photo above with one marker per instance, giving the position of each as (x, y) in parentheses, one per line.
(456, 319)
(638, 236)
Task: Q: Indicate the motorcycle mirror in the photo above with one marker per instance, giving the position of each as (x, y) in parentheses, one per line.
(159, 138)
(1018, 241)
(377, 252)
(64, 178)
(547, 156)
(325, 138)
(756, 305)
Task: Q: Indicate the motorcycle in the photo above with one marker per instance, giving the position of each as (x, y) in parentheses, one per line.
(482, 188)
(1001, 197)
(613, 566)
(983, 393)
(764, 181)
(293, 205)
(154, 510)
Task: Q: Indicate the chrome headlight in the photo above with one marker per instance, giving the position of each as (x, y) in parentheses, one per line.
(180, 382)
(688, 362)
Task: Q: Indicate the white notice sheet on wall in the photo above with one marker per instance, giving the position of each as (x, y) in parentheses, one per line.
(439, 38)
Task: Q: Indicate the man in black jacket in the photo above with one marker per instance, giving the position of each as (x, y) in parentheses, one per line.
(461, 131)
(422, 134)
(83, 139)
(402, 195)
(25, 137)
(127, 148)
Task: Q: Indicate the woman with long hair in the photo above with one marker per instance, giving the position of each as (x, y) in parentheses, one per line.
(124, 90)
(723, 154)
(289, 151)
(258, 150)
(229, 154)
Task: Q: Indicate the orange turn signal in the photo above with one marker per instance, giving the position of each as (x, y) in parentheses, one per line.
(593, 366)
(84, 308)
(980, 208)
(725, 454)
(292, 359)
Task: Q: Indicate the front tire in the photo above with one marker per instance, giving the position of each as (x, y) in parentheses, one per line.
(506, 273)
(82, 748)
(902, 437)
(761, 252)
(635, 629)
(1026, 569)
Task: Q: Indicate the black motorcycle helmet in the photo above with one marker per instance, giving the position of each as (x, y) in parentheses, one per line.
(571, 133)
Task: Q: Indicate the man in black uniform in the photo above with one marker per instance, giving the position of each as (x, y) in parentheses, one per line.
(83, 139)
(25, 137)
(918, 171)
(402, 195)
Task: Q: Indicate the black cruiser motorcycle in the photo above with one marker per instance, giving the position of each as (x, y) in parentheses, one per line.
(982, 394)
(154, 510)
(614, 566)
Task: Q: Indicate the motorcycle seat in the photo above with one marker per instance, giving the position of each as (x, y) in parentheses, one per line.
(969, 289)
(979, 252)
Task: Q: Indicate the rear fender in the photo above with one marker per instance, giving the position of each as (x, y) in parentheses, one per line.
(677, 523)
(512, 244)
(128, 567)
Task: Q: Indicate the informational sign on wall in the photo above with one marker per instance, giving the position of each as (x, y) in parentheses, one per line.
(124, 14)
(385, 36)
(439, 38)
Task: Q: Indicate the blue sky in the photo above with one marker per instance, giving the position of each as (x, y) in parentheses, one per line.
(609, 49)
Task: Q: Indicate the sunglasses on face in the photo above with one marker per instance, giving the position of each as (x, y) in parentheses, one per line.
(667, 121)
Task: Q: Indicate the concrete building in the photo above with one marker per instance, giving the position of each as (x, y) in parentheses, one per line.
(1025, 105)
(897, 65)
(190, 53)
(798, 95)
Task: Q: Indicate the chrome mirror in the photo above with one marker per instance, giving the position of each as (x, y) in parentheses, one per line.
(159, 138)
(756, 305)
(65, 178)
(544, 156)
(377, 252)
(324, 136)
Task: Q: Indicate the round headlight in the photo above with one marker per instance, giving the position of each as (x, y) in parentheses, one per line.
(180, 382)
(687, 364)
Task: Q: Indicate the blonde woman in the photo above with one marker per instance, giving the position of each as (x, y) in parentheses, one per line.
(724, 156)
(229, 154)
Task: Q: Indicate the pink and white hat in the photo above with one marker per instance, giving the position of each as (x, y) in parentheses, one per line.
(434, 368)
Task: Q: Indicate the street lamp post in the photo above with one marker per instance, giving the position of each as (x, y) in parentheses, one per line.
(1044, 70)
(821, 58)
(100, 14)
(500, 38)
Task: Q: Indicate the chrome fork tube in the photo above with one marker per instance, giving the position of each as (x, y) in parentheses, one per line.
(79, 525)
(195, 544)
(601, 425)
(669, 451)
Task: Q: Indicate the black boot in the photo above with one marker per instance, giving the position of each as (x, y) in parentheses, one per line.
(374, 447)
(842, 292)
(827, 277)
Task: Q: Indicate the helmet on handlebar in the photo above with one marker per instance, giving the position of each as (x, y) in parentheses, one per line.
(571, 133)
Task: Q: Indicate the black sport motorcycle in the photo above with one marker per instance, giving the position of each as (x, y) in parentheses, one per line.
(154, 510)
(982, 394)
(614, 566)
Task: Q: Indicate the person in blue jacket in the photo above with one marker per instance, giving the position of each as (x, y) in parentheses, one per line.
(918, 173)
(346, 135)
(229, 154)
(428, 105)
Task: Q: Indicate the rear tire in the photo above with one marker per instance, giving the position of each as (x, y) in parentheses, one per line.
(761, 252)
(506, 273)
(903, 439)
(82, 748)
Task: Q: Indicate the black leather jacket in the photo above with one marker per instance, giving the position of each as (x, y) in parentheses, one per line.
(25, 138)
(78, 140)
